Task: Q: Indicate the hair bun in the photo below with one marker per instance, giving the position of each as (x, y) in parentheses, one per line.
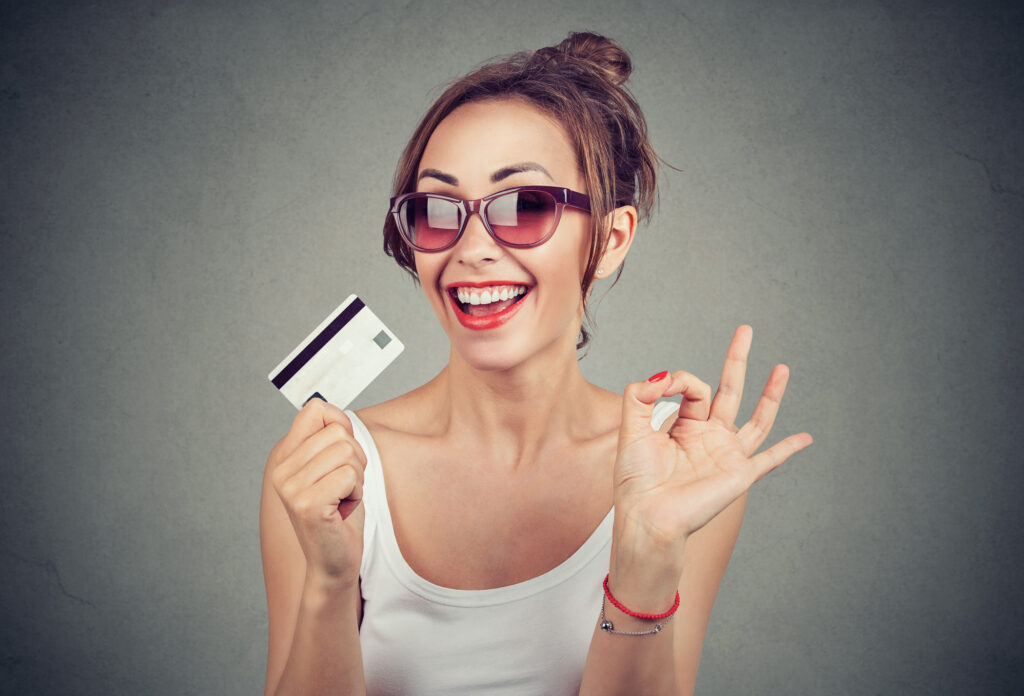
(599, 52)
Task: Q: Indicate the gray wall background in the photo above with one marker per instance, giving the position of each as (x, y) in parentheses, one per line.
(189, 188)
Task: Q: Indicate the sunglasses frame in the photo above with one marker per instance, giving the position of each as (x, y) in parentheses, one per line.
(562, 196)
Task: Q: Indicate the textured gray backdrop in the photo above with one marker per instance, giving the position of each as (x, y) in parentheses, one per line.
(188, 188)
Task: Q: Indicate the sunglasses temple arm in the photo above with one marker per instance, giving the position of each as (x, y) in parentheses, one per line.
(577, 200)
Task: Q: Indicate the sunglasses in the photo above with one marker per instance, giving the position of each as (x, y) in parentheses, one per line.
(520, 217)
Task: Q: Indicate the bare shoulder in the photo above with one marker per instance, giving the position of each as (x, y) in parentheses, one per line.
(406, 414)
(603, 408)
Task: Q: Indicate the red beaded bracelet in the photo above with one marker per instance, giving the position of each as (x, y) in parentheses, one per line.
(636, 615)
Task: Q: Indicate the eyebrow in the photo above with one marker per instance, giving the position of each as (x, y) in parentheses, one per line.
(497, 176)
(508, 171)
(437, 174)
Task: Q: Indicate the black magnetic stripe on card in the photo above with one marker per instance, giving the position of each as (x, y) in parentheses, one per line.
(307, 353)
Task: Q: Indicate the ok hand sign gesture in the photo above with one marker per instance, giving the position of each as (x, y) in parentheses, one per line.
(669, 485)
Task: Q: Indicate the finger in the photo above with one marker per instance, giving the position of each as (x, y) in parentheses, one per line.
(638, 401)
(343, 489)
(331, 433)
(313, 445)
(730, 389)
(338, 454)
(315, 395)
(311, 418)
(336, 415)
(753, 434)
(781, 451)
(330, 494)
(696, 402)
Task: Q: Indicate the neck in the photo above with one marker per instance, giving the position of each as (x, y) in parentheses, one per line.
(510, 416)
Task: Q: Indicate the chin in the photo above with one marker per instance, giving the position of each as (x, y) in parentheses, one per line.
(498, 354)
(490, 355)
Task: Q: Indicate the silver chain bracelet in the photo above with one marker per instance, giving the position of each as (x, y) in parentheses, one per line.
(608, 627)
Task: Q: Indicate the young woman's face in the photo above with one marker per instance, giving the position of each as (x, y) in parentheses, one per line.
(479, 149)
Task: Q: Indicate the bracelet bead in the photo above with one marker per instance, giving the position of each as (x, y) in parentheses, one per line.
(637, 615)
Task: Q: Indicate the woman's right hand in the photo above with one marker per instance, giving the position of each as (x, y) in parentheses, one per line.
(317, 471)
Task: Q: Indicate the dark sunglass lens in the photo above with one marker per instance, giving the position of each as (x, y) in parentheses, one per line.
(431, 223)
(522, 217)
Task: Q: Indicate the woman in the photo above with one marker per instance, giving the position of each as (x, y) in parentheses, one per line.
(535, 528)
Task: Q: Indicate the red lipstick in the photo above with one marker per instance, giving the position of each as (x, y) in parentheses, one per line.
(491, 321)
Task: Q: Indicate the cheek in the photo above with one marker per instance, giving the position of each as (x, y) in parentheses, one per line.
(571, 290)
(565, 275)
(428, 269)
(584, 255)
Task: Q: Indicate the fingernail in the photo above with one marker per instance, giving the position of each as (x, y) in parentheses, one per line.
(658, 377)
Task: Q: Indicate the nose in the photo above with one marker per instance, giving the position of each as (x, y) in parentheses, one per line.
(476, 247)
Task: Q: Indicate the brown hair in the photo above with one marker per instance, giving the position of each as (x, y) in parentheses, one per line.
(579, 84)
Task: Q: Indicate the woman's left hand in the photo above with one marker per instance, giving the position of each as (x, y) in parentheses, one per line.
(669, 485)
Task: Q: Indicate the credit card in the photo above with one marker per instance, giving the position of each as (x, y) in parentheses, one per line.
(349, 349)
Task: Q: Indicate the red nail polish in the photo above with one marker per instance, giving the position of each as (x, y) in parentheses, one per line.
(658, 377)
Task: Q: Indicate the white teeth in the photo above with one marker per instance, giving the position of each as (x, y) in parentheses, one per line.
(494, 294)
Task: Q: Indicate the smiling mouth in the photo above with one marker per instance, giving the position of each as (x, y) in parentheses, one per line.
(486, 301)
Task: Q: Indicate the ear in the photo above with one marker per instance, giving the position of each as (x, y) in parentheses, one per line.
(620, 237)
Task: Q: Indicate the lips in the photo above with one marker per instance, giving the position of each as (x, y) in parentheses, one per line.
(482, 322)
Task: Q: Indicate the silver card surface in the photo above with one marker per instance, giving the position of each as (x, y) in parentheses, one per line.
(339, 358)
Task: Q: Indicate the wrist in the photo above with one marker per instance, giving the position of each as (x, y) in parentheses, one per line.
(644, 566)
(618, 617)
(644, 590)
(642, 524)
(322, 586)
(644, 580)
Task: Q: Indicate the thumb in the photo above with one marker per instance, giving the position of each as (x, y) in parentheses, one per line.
(638, 401)
(326, 413)
(333, 414)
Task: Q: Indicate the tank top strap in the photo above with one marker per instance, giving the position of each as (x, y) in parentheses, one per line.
(662, 411)
(374, 497)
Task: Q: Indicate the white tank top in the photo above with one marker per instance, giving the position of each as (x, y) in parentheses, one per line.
(422, 639)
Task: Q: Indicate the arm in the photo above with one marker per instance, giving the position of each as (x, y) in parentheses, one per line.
(679, 500)
(707, 555)
(313, 644)
(313, 609)
(621, 664)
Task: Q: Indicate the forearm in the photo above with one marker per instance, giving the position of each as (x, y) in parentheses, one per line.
(325, 656)
(629, 664)
(619, 665)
